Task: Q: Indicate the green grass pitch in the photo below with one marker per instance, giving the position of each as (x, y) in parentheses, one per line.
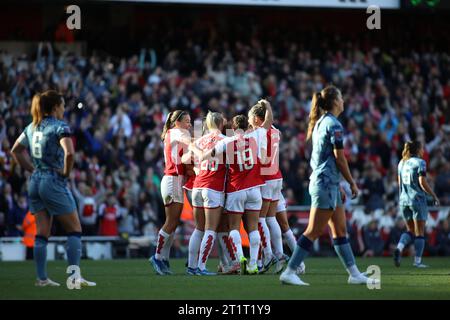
(135, 279)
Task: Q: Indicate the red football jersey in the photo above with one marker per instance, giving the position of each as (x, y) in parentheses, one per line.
(213, 170)
(190, 182)
(243, 153)
(173, 151)
(271, 171)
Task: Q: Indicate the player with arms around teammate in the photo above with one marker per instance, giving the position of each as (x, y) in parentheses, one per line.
(208, 196)
(176, 138)
(413, 200)
(244, 152)
(48, 141)
(268, 226)
(327, 163)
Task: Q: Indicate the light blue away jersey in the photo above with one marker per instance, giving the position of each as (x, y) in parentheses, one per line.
(410, 190)
(328, 134)
(42, 142)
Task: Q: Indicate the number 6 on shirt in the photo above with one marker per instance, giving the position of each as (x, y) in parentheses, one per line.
(36, 147)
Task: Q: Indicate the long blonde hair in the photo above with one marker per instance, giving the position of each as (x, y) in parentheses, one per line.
(172, 117)
(44, 103)
(321, 101)
(214, 120)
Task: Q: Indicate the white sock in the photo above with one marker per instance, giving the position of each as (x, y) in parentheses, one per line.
(194, 247)
(236, 243)
(290, 239)
(260, 254)
(224, 253)
(275, 236)
(222, 259)
(161, 244)
(165, 252)
(289, 270)
(417, 260)
(265, 239)
(255, 240)
(400, 246)
(353, 271)
(206, 248)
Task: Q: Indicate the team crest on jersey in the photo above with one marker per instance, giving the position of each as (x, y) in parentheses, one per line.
(208, 143)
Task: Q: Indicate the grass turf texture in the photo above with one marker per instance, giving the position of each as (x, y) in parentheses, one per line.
(135, 279)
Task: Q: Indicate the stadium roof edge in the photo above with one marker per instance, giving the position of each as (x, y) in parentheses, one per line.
(326, 4)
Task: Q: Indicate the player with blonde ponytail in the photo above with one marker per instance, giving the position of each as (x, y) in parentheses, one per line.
(208, 196)
(328, 162)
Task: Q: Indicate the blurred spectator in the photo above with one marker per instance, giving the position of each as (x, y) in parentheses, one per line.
(442, 183)
(387, 220)
(373, 242)
(373, 190)
(88, 206)
(129, 223)
(15, 217)
(109, 215)
(443, 238)
(149, 222)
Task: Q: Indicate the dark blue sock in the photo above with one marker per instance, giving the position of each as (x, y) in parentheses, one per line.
(419, 245)
(40, 256)
(74, 248)
(301, 251)
(344, 251)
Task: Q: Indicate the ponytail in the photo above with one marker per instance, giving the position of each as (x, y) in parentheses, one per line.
(411, 149)
(315, 113)
(172, 117)
(167, 125)
(214, 120)
(240, 122)
(36, 113)
(259, 110)
(43, 104)
(321, 101)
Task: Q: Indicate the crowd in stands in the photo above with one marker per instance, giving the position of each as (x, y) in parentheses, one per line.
(117, 108)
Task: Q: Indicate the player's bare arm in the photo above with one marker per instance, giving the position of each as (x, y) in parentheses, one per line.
(69, 153)
(425, 186)
(268, 119)
(342, 165)
(18, 151)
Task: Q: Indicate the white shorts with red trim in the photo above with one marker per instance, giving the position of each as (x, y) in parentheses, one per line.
(281, 205)
(271, 190)
(207, 198)
(244, 200)
(172, 189)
